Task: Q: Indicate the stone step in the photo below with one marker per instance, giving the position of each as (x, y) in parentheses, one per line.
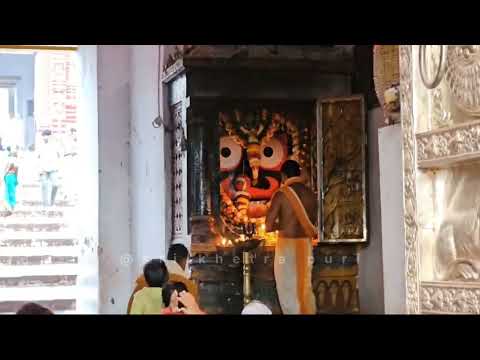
(34, 193)
(30, 185)
(32, 227)
(25, 235)
(9, 307)
(34, 213)
(17, 220)
(37, 260)
(38, 293)
(41, 243)
(26, 212)
(39, 207)
(59, 203)
(34, 281)
(7, 271)
(40, 251)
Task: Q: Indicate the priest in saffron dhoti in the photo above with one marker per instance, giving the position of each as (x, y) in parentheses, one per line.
(293, 212)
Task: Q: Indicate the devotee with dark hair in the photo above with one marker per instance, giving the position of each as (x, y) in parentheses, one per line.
(34, 309)
(178, 301)
(170, 298)
(177, 259)
(148, 300)
(176, 265)
(293, 213)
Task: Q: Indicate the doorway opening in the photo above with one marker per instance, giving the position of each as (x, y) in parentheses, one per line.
(40, 151)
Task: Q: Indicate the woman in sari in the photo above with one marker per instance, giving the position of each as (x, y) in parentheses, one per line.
(11, 183)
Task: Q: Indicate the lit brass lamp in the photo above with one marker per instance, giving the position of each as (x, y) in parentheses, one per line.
(246, 246)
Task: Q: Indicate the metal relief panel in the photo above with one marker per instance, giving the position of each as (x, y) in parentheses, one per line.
(409, 180)
(447, 108)
(441, 158)
(342, 183)
(444, 147)
(314, 158)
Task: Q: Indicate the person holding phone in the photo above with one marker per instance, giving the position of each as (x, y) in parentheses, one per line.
(170, 298)
(178, 301)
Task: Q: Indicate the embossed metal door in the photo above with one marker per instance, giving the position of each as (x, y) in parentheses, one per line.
(440, 107)
(341, 179)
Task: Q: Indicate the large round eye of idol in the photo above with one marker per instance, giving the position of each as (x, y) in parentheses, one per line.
(230, 153)
(274, 153)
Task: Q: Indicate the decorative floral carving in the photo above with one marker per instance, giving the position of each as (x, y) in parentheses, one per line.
(440, 116)
(463, 76)
(179, 52)
(444, 144)
(410, 207)
(177, 170)
(450, 299)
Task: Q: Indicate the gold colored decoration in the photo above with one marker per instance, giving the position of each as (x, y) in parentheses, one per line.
(343, 186)
(336, 295)
(334, 292)
(247, 288)
(346, 291)
(334, 279)
(387, 78)
(322, 292)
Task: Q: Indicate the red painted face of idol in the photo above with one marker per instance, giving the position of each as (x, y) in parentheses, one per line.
(251, 159)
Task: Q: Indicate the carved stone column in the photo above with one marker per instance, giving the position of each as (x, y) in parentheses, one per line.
(178, 104)
(198, 182)
(199, 202)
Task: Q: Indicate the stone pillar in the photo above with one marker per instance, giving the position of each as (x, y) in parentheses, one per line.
(199, 182)
(393, 249)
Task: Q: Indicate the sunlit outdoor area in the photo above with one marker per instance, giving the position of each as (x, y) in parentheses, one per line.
(38, 155)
